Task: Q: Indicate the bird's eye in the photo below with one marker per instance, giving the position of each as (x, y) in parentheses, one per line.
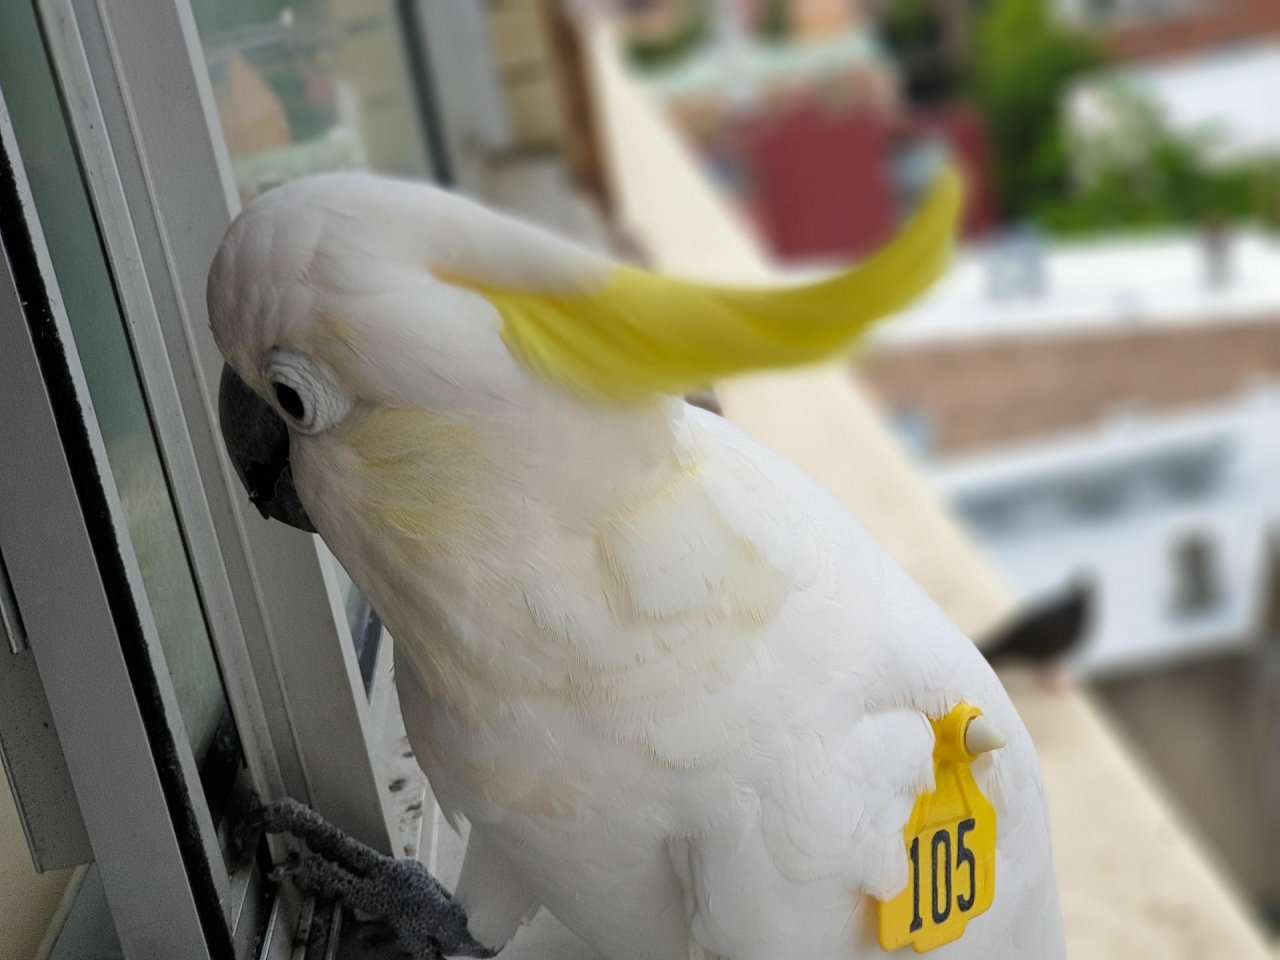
(289, 401)
(306, 391)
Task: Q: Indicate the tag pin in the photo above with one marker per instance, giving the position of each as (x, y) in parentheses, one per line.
(982, 736)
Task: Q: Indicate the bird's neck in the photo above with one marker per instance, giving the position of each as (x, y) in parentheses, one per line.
(455, 529)
(578, 460)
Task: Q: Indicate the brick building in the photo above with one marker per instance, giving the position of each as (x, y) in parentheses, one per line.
(1193, 27)
(983, 393)
(1099, 330)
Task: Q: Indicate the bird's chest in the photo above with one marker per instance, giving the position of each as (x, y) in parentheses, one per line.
(517, 754)
(510, 716)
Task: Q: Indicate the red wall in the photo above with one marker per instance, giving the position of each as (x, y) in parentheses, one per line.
(821, 181)
(961, 129)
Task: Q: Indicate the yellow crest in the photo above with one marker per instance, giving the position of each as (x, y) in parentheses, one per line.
(642, 333)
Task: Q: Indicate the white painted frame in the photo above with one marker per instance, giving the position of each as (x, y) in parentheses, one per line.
(70, 623)
(142, 114)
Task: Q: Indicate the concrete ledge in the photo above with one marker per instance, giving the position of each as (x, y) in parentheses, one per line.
(1135, 882)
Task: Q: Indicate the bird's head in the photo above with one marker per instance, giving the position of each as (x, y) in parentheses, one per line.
(340, 294)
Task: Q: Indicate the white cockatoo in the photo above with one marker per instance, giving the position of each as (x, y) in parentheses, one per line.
(684, 700)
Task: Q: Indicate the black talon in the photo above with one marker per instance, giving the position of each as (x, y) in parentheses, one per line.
(286, 869)
(247, 826)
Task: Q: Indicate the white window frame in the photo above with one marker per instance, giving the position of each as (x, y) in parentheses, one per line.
(142, 116)
(60, 592)
(144, 119)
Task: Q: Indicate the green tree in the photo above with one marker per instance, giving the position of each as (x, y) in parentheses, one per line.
(1137, 172)
(914, 32)
(687, 35)
(775, 24)
(1024, 60)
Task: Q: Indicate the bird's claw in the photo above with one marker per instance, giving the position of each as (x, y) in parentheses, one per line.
(425, 917)
(281, 816)
(256, 818)
(286, 869)
(247, 827)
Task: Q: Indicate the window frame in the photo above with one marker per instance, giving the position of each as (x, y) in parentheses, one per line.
(140, 113)
(47, 538)
(143, 118)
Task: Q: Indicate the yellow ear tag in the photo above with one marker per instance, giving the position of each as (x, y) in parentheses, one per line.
(951, 848)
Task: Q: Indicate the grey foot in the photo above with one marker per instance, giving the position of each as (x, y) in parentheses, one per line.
(427, 921)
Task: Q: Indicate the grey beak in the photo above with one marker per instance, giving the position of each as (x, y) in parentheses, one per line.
(258, 442)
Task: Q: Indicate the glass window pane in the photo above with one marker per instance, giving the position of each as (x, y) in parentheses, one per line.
(88, 293)
(305, 86)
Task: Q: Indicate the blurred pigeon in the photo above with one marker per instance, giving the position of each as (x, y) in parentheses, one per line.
(1044, 636)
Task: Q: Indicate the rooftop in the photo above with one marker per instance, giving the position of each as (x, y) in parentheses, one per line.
(1217, 95)
(1023, 286)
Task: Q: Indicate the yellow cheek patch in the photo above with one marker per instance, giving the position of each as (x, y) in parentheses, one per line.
(951, 849)
(417, 470)
(642, 333)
